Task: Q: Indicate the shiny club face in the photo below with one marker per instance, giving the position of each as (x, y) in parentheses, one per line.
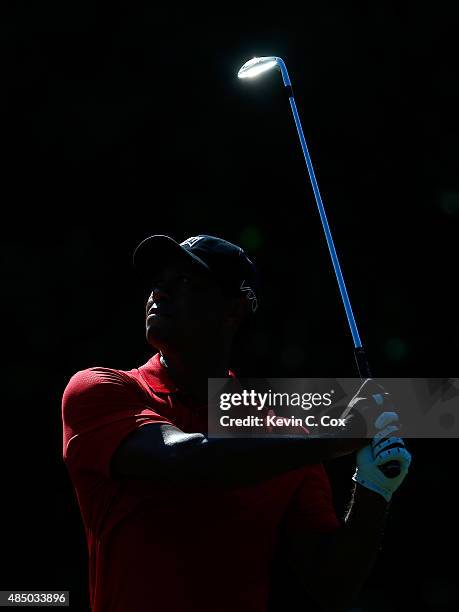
(186, 305)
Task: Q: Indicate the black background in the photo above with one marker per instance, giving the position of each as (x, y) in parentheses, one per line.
(126, 120)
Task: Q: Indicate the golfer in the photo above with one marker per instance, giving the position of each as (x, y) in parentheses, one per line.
(179, 522)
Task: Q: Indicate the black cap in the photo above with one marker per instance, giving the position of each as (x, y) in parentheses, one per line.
(226, 262)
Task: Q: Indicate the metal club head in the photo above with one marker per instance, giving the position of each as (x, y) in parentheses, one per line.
(257, 65)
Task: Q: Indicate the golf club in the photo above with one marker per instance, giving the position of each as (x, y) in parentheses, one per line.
(251, 69)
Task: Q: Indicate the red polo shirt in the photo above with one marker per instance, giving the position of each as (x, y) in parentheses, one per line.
(154, 547)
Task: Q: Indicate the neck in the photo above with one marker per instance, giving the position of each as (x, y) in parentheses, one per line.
(190, 371)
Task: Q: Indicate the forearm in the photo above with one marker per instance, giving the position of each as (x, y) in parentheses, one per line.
(230, 461)
(351, 552)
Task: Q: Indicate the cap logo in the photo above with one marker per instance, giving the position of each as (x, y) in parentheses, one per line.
(250, 295)
(191, 241)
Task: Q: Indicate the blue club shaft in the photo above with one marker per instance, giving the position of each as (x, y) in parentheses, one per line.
(360, 356)
(328, 236)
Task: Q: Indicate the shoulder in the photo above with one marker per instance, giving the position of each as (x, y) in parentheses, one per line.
(98, 385)
(90, 379)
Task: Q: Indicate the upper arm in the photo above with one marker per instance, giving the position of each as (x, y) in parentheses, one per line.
(306, 554)
(152, 451)
(297, 582)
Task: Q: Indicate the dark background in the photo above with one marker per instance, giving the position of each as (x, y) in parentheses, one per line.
(126, 120)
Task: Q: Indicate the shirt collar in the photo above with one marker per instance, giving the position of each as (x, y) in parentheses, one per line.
(157, 377)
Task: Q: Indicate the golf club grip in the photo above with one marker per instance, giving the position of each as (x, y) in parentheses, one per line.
(362, 363)
(392, 468)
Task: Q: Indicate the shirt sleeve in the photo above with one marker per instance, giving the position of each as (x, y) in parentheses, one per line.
(312, 510)
(100, 407)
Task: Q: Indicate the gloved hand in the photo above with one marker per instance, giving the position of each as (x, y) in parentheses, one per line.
(384, 447)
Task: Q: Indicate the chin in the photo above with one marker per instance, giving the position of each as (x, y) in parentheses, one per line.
(159, 337)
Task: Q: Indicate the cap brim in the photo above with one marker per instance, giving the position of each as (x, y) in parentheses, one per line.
(156, 251)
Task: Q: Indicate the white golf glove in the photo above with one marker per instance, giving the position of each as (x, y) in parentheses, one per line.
(384, 447)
